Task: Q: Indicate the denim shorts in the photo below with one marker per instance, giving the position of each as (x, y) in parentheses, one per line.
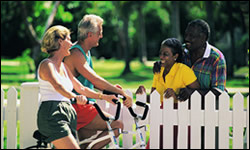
(56, 119)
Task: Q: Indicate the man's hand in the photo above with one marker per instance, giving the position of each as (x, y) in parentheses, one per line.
(169, 93)
(128, 102)
(118, 86)
(141, 89)
(184, 94)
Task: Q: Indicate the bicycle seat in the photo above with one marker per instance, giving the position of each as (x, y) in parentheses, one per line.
(37, 135)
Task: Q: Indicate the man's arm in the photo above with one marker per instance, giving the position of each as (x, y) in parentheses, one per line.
(80, 65)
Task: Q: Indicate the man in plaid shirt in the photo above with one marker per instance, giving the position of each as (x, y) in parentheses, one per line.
(208, 62)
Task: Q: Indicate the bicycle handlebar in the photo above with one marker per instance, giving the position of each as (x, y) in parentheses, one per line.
(138, 103)
(118, 109)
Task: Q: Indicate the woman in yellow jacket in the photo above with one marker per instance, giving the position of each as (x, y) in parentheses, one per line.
(171, 76)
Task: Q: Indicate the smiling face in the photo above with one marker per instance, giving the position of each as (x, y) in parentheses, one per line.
(166, 56)
(95, 37)
(65, 45)
(194, 38)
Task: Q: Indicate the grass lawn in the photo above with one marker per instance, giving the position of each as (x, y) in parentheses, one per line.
(16, 71)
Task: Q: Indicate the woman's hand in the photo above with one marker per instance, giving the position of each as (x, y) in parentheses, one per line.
(81, 99)
(169, 93)
(141, 89)
(109, 98)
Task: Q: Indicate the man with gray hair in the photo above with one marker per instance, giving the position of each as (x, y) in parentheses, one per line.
(80, 64)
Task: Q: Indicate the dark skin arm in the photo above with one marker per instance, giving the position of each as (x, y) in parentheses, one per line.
(141, 89)
(170, 92)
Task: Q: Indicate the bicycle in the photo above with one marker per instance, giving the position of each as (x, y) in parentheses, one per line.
(141, 144)
(92, 140)
(137, 118)
(114, 144)
(41, 139)
(108, 120)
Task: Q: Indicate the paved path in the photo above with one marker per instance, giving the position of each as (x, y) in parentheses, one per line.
(234, 90)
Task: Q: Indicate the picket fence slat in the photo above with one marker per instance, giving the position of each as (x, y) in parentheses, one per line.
(11, 119)
(224, 120)
(193, 118)
(247, 137)
(196, 120)
(29, 103)
(155, 120)
(2, 125)
(238, 124)
(126, 117)
(210, 121)
(169, 117)
(183, 122)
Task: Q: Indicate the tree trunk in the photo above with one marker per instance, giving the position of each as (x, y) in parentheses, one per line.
(126, 46)
(232, 55)
(175, 20)
(209, 9)
(142, 37)
(35, 40)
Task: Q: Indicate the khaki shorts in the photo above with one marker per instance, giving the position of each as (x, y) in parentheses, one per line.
(56, 119)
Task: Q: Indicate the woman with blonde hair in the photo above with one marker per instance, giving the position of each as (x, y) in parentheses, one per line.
(56, 117)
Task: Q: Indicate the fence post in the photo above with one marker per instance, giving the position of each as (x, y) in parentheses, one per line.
(210, 121)
(2, 125)
(29, 102)
(224, 120)
(155, 121)
(247, 123)
(168, 118)
(238, 124)
(196, 117)
(11, 119)
(128, 124)
(183, 123)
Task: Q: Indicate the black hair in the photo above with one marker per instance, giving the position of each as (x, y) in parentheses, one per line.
(175, 46)
(203, 26)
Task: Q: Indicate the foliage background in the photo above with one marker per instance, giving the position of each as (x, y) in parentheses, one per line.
(133, 31)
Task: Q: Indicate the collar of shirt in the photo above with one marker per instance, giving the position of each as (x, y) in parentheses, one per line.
(207, 51)
(172, 71)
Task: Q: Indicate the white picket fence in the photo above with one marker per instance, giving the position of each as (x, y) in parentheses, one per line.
(237, 118)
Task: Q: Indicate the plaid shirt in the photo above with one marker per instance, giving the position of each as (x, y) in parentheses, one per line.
(210, 70)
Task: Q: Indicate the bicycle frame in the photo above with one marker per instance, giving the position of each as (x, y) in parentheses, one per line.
(141, 144)
(110, 135)
(108, 121)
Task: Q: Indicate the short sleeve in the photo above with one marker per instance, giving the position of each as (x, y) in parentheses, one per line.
(155, 80)
(219, 74)
(188, 75)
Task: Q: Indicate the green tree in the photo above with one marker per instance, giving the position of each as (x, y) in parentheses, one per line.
(44, 13)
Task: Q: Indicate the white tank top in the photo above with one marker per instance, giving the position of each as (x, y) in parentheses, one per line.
(48, 92)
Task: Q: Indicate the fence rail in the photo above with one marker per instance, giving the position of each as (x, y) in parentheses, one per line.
(223, 118)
